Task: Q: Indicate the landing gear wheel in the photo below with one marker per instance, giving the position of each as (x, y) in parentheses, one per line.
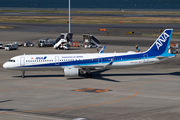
(23, 74)
(89, 75)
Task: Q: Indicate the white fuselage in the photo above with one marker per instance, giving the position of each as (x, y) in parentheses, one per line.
(92, 61)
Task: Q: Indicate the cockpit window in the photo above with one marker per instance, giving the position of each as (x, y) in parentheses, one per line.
(11, 61)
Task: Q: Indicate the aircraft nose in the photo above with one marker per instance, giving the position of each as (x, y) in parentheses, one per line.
(5, 65)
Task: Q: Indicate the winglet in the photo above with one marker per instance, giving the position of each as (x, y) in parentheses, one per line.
(102, 50)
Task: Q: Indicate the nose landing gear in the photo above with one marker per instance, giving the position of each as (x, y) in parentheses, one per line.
(23, 74)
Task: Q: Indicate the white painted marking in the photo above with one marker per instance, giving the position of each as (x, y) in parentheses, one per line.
(31, 116)
(12, 13)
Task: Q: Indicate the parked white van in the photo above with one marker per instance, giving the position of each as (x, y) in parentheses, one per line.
(13, 46)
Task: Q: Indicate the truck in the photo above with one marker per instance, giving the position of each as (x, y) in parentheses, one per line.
(13, 46)
(174, 47)
(28, 44)
(1, 46)
(45, 42)
(65, 46)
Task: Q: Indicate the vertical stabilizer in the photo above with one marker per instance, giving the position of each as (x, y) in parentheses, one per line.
(161, 45)
(102, 50)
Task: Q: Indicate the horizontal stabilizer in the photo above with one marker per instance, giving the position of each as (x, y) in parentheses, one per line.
(163, 57)
(160, 57)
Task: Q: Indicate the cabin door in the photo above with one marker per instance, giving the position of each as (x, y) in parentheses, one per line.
(56, 60)
(22, 61)
(99, 60)
(145, 58)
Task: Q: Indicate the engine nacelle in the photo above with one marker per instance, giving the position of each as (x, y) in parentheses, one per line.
(71, 72)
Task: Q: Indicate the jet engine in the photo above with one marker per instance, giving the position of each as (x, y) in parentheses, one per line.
(71, 72)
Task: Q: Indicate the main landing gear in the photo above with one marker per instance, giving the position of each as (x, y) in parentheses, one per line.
(88, 73)
(23, 74)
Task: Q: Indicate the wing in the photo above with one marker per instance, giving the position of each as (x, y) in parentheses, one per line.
(99, 66)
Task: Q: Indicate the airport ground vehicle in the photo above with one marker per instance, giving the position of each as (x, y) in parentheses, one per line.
(13, 46)
(174, 47)
(1, 45)
(90, 41)
(90, 46)
(63, 41)
(75, 44)
(45, 42)
(65, 46)
(28, 44)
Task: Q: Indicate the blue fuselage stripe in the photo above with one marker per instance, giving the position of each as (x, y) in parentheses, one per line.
(94, 61)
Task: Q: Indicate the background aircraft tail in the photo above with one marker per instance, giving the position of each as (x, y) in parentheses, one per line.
(161, 45)
(102, 50)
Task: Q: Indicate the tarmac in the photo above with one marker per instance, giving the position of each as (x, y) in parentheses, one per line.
(144, 93)
(80, 14)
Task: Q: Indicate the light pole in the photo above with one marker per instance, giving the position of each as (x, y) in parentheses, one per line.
(69, 16)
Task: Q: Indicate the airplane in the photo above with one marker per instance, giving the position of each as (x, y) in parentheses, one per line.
(75, 64)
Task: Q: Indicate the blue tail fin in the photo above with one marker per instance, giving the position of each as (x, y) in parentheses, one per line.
(161, 45)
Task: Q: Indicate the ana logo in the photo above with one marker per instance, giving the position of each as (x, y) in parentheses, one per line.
(162, 40)
(41, 58)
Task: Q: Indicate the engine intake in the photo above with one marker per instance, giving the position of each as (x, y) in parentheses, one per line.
(71, 72)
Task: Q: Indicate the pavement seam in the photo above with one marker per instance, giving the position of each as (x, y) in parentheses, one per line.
(82, 106)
